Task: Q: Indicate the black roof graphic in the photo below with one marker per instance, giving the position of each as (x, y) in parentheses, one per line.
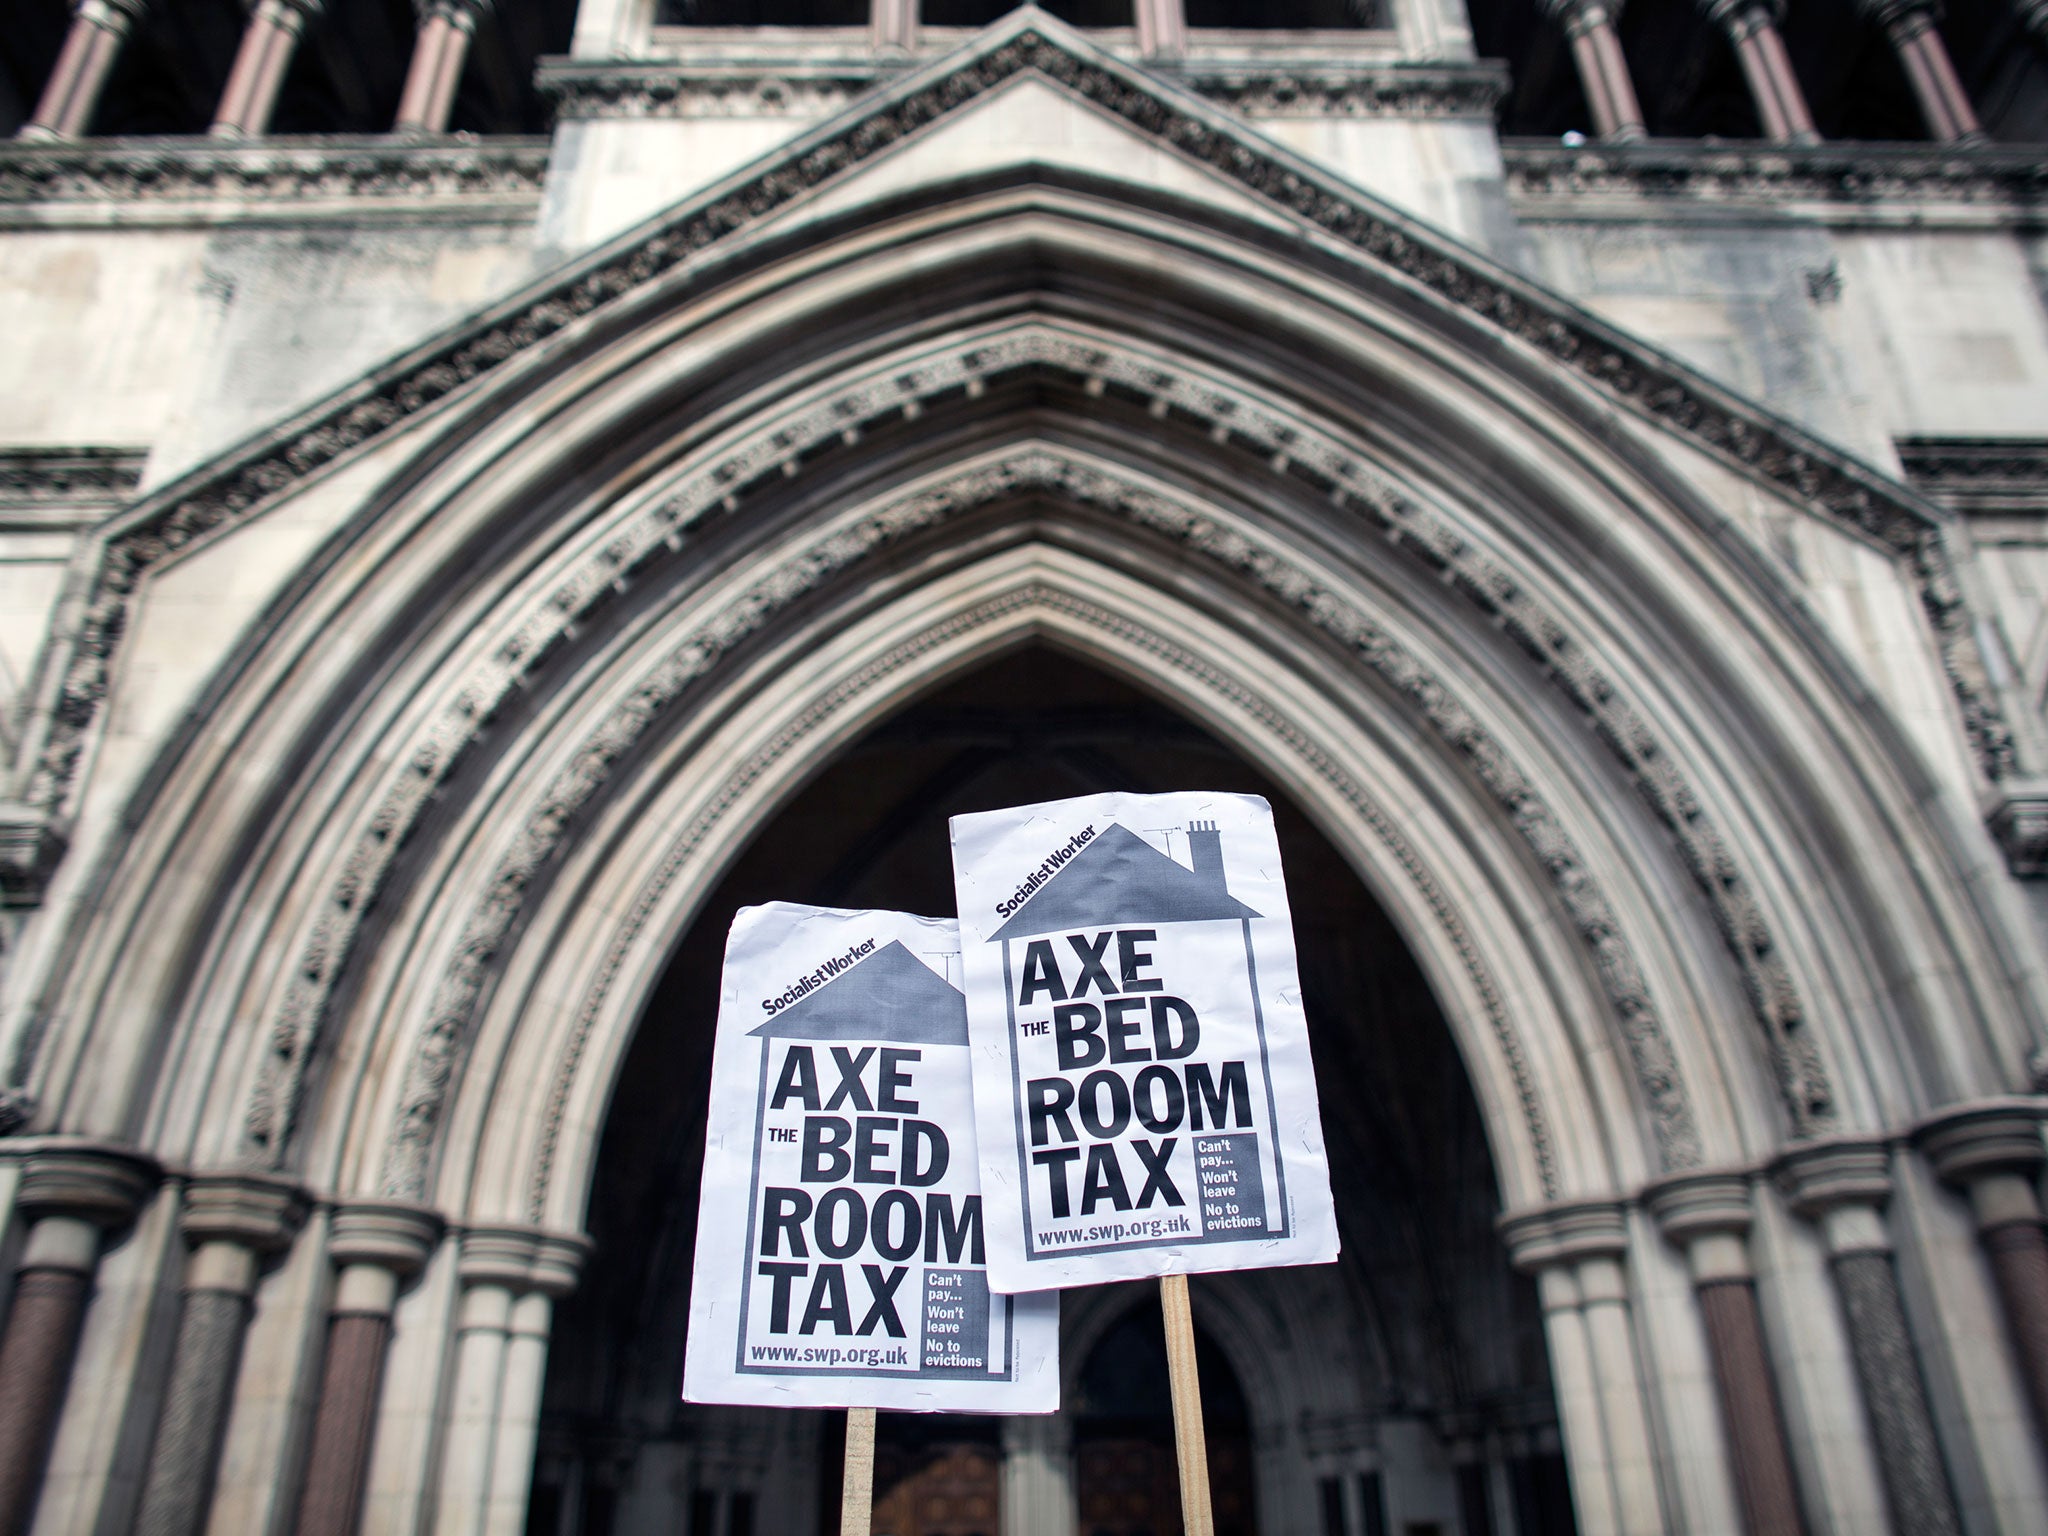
(1121, 878)
(891, 995)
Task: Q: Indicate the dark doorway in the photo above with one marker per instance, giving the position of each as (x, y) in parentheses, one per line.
(1126, 1481)
(1444, 1332)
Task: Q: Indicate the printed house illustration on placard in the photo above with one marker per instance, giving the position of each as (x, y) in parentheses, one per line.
(1119, 878)
(892, 995)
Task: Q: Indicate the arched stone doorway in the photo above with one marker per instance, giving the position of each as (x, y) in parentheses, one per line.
(1408, 1383)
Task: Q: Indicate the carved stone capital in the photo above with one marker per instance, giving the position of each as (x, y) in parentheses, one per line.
(99, 1182)
(1582, 12)
(396, 1235)
(1821, 1177)
(523, 1259)
(1577, 16)
(1975, 1140)
(1701, 1205)
(1554, 1235)
(2018, 818)
(252, 1210)
(115, 15)
(1743, 18)
(1915, 14)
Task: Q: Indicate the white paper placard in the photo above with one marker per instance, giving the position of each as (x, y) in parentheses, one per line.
(1143, 1090)
(840, 1237)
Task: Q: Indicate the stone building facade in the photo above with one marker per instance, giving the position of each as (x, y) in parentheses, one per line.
(488, 488)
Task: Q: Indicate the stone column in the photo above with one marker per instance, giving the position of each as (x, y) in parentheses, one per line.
(894, 23)
(1707, 1217)
(72, 94)
(232, 1223)
(1162, 28)
(510, 1278)
(439, 50)
(374, 1244)
(1843, 1186)
(1993, 1152)
(268, 43)
(1603, 72)
(73, 1191)
(1576, 1252)
(1752, 28)
(1910, 24)
(1038, 1476)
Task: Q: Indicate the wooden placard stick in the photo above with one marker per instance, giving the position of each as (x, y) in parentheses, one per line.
(1190, 1443)
(857, 1486)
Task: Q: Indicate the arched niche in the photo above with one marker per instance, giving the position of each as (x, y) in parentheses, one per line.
(1421, 1326)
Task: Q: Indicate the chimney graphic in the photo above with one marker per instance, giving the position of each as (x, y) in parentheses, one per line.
(1206, 844)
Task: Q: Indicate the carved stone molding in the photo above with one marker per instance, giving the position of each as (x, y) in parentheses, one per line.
(1980, 474)
(579, 90)
(59, 477)
(42, 183)
(1700, 1205)
(2017, 815)
(630, 928)
(1299, 88)
(1970, 1141)
(444, 1039)
(522, 1258)
(97, 1181)
(1823, 1176)
(1288, 446)
(251, 1210)
(396, 1235)
(1563, 1234)
(1772, 450)
(1852, 182)
(799, 87)
(1273, 442)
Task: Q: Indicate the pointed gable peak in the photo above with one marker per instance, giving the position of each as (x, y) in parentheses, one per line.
(891, 995)
(1119, 878)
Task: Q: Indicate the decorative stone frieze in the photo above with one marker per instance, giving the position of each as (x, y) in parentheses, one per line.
(106, 181)
(1979, 474)
(62, 477)
(579, 90)
(1837, 183)
(1291, 89)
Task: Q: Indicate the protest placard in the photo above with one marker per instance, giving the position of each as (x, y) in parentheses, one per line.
(1143, 1090)
(841, 1236)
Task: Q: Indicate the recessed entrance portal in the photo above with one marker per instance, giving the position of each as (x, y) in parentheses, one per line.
(1404, 1389)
